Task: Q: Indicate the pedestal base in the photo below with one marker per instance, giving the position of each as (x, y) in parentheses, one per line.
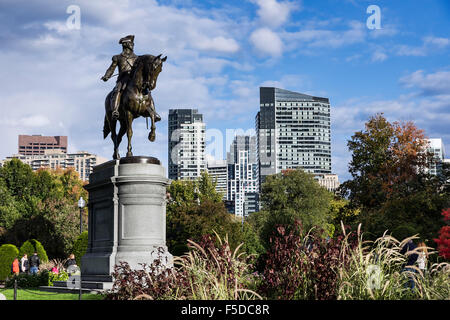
(127, 216)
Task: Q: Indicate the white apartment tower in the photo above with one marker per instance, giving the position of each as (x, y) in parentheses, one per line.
(218, 170)
(436, 147)
(186, 144)
(293, 130)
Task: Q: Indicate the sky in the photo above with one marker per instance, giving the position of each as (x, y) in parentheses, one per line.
(53, 54)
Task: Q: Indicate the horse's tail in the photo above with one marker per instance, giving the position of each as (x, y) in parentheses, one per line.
(106, 129)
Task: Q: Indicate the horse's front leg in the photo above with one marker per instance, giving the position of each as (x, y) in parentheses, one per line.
(152, 135)
(129, 132)
(116, 143)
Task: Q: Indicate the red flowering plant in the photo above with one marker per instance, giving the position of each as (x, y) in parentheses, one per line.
(443, 241)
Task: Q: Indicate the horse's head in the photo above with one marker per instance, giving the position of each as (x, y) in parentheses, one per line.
(152, 68)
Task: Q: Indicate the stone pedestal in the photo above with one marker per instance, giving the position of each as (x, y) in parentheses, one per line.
(127, 216)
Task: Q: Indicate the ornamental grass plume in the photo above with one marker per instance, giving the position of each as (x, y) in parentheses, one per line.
(214, 272)
(376, 272)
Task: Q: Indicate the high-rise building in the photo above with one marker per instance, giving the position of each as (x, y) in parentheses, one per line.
(83, 162)
(293, 130)
(243, 185)
(436, 147)
(187, 138)
(38, 144)
(218, 170)
(242, 142)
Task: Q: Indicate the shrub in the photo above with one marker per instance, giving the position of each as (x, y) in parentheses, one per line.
(60, 276)
(25, 280)
(302, 265)
(30, 246)
(26, 248)
(8, 252)
(443, 241)
(80, 247)
(40, 250)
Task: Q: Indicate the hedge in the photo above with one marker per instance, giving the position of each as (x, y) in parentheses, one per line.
(80, 247)
(8, 252)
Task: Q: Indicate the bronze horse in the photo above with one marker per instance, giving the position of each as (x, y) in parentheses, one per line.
(136, 101)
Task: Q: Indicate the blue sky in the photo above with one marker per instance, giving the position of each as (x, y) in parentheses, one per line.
(219, 54)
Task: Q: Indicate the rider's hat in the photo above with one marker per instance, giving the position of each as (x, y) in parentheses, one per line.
(129, 38)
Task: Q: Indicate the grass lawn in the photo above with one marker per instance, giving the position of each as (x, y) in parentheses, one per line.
(35, 294)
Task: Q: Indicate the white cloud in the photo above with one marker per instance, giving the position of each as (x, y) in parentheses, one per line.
(272, 13)
(379, 56)
(429, 45)
(322, 38)
(432, 83)
(220, 44)
(267, 42)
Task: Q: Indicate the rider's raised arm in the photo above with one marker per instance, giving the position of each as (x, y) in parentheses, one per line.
(111, 68)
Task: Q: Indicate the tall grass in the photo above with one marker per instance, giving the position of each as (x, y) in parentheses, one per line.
(215, 272)
(375, 271)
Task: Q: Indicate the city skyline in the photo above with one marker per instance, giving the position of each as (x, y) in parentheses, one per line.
(218, 58)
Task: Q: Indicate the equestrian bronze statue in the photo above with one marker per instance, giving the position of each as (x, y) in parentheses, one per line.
(131, 97)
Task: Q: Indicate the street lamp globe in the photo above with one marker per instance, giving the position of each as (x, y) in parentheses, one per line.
(81, 203)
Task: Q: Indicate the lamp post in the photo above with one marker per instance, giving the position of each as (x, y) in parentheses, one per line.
(81, 204)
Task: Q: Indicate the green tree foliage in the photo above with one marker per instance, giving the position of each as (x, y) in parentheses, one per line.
(290, 196)
(341, 211)
(80, 247)
(390, 183)
(8, 252)
(195, 208)
(40, 205)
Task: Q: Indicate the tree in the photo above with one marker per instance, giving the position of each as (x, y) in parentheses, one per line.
(290, 196)
(194, 209)
(40, 205)
(390, 183)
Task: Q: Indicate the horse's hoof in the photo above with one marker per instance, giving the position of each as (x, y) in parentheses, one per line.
(129, 154)
(151, 136)
(116, 156)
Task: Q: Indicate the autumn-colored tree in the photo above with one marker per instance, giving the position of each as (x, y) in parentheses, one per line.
(40, 205)
(443, 242)
(390, 182)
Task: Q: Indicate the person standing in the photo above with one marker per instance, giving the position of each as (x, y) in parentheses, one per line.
(71, 264)
(423, 257)
(15, 269)
(409, 249)
(34, 263)
(24, 264)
